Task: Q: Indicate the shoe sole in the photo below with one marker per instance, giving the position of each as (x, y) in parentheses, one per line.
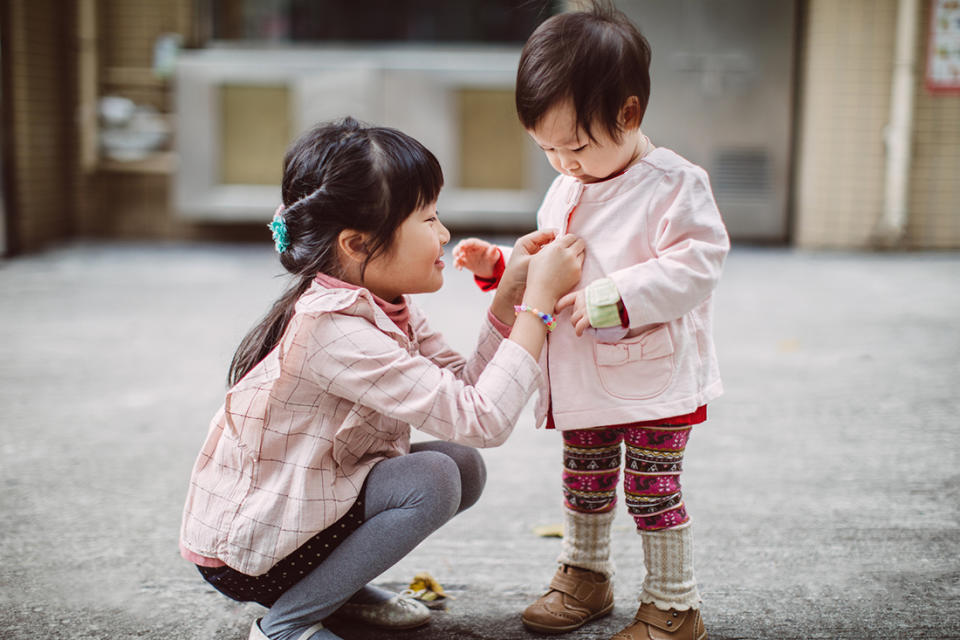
(415, 625)
(366, 623)
(539, 628)
(340, 617)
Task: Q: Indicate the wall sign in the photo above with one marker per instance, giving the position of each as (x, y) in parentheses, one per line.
(943, 56)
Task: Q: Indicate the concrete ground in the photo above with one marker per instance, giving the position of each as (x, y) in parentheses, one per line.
(824, 488)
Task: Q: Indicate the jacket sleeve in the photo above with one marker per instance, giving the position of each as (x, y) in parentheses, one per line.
(689, 242)
(353, 360)
(435, 348)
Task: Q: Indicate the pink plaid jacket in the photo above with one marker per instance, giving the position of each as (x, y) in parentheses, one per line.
(286, 455)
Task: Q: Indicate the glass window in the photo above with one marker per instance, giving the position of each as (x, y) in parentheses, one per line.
(489, 21)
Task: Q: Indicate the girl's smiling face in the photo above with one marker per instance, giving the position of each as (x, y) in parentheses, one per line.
(572, 152)
(414, 262)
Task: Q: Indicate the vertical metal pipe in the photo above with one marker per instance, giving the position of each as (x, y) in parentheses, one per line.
(899, 131)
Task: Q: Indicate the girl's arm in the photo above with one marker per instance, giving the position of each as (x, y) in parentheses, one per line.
(434, 347)
(539, 272)
(355, 361)
(368, 369)
(690, 242)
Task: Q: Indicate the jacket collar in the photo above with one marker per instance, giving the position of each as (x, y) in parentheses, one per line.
(355, 302)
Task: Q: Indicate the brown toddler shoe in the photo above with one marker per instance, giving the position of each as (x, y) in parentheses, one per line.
(651, 623)
(576, 596)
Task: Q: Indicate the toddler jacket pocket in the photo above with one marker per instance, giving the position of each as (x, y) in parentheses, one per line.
(639, 367)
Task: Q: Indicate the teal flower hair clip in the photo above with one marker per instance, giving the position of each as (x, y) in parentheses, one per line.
(279, 230)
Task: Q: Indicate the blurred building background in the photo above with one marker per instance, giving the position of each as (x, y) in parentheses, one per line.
(822, 123)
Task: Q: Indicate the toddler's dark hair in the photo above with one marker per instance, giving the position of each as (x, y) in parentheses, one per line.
(340, 175)
(596, 57)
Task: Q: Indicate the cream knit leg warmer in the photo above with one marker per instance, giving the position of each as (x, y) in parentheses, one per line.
(586, 541)
(668, 555)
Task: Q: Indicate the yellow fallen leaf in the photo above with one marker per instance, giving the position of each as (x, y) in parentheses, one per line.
(425, 588)
(425, 581)
(549, 531)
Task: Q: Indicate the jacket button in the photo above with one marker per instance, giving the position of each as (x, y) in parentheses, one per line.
(669, 623)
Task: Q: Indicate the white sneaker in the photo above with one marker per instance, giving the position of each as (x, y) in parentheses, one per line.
(256, 633)
(396, 613)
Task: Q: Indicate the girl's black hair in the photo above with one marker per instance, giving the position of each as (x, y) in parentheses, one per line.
(596, 57)
(340, 175)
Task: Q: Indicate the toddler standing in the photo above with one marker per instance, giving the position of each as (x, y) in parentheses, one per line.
(631, 365)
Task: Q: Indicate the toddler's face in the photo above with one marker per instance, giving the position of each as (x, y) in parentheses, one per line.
(571, 151)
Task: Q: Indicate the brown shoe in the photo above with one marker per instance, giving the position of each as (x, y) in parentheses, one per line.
(651, 623)
(576, 597)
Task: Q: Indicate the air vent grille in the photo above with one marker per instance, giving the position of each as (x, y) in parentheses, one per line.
(741, 174)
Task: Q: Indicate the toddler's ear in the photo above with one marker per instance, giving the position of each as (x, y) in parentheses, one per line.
(630, 115)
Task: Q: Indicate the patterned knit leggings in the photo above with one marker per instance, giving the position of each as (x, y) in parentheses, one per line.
(651, 480)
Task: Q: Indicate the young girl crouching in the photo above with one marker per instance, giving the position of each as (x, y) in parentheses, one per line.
(307, 486)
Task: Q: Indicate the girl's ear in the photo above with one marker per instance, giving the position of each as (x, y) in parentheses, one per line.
(352, 245)
(630, 113)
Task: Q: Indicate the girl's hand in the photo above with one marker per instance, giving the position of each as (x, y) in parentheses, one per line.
(514, 278)
(579, 319)
(478, 256)
(554, 270)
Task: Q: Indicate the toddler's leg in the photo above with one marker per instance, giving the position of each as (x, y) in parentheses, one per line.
(670, 598)
(405, 500)
(668, 555)
(591, 469)
(651, 478)
(581, 590)
(654, 461)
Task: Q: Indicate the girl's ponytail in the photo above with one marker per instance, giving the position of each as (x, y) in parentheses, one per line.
(341, 175)
(266, 335)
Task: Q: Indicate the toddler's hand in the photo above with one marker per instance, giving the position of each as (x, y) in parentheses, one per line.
(532, 242)
(478, 256)
(579, 319)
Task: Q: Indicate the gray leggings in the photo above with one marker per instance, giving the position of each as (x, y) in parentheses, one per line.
(405, 500)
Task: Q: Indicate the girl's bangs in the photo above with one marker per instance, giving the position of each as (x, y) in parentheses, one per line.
(413, 173)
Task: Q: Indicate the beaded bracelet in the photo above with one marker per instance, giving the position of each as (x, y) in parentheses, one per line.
(546, 318)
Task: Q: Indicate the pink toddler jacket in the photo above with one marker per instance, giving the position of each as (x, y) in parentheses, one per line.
(288, 452)
(656, 232)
